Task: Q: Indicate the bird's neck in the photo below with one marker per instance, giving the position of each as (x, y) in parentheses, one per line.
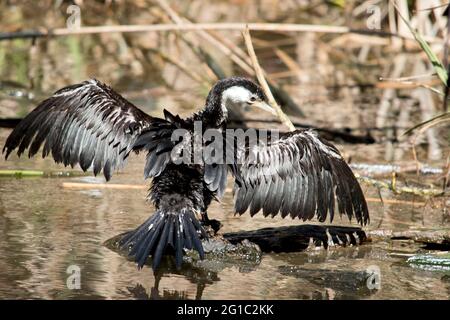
(215, 112)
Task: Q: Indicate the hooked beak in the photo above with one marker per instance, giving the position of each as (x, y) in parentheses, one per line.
(264, 106)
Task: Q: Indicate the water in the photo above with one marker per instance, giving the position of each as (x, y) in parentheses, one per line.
(45, 229)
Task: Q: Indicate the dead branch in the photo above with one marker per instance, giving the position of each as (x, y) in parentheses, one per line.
(262, 81)
(269, 27)
(395, 201)
(422, 236)
(423, 192)
(78, 185)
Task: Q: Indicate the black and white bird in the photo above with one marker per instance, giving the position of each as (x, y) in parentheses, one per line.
(297, 174)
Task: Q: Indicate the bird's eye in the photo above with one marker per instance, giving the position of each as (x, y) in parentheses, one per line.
(252, 99)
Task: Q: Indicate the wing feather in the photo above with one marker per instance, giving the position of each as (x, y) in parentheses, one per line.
(91, 125)
(300, 175)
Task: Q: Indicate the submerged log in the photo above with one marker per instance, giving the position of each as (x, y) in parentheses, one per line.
(219, 254)
(430, 239)
(341, 284)
(244, 248)
(299, 238)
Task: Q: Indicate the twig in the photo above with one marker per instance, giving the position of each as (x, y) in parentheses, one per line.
(380, 198)
(416, 136)
(231, 26)
(431, 8)
(397, 84)
(262, 81)
(192, 74)
(287, 60)
(282, 74)
(383, 169)
(416, 235)
(400, 190)
(77, 185)
(191, 42)
(447, 174)
(447, 65)
(395, 201)
(208, 37)
(233, 47)
(38, 173)
(408, 78)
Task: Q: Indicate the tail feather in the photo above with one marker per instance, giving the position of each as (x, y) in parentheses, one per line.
(178, 230)
(197, 244)
(161, 245)
(146, 245)
(179, 241)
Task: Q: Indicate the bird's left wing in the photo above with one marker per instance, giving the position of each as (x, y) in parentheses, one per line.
(91, 125)
(299, 175)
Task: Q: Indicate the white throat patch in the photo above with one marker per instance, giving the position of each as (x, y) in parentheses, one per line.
(234, 97)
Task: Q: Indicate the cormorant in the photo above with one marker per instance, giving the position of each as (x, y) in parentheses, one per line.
(297, 174)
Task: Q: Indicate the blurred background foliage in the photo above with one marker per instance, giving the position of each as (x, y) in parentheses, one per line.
(376, 82)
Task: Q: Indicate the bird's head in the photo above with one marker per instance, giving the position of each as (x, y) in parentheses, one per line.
(237, 93)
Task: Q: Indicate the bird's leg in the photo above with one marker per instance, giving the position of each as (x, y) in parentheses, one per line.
(207, 223)
(204, 217)
(154, 291)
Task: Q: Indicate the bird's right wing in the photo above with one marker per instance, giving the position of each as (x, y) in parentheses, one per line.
(300, 175)
(91, 125)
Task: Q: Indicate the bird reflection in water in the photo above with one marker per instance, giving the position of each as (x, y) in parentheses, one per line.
(197, 276)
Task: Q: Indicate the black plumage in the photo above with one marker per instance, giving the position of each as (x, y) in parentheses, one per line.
(297, 174)
(87, 124)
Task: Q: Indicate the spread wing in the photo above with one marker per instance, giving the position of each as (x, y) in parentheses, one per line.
(87, 124)
(299, 175)
(218, 163)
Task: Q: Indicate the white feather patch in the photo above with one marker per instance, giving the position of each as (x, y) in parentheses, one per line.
(234, 97)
